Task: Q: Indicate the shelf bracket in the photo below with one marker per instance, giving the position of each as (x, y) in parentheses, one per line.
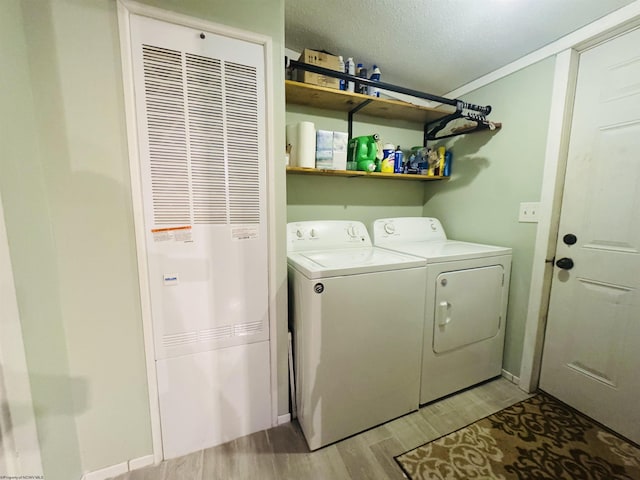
(356, 109)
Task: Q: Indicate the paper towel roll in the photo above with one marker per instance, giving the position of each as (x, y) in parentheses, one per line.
(306, 155)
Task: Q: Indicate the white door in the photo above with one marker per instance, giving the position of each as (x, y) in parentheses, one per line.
(591, 355)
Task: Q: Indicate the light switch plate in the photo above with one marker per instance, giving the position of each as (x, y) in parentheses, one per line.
(529, 212)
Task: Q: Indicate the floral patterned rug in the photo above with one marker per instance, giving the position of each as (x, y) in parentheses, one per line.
(539, 438)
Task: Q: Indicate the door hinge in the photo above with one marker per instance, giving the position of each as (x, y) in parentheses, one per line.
(552, 260)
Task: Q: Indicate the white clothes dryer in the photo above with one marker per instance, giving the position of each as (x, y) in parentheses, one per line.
(466, 303)
(357, 330)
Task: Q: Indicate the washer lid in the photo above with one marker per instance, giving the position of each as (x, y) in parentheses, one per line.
(449, 250)
(351, 261)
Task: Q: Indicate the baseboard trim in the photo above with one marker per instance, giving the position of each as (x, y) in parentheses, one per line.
(108, 472)
(511, 377)
(140, 462)
(119, 469)
(282, 419)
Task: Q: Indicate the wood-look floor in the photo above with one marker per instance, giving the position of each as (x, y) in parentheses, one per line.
(282, 453)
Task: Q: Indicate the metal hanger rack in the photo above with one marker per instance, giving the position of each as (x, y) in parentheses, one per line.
(468, 117)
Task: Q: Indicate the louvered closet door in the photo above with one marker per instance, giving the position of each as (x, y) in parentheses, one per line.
(201, 129)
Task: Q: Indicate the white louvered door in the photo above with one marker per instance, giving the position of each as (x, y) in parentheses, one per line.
(200, 110)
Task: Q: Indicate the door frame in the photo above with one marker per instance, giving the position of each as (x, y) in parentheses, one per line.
(22, 458)
(566, 52)
(126, 8)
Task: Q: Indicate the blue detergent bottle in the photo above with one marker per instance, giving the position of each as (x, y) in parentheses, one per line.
(448, 158)
(375, 76)
(398, 165)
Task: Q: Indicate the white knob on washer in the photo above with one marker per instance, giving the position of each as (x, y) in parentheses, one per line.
(299, 233)
(351, 231)
(433, 227)
(389, 228)
(312, 233)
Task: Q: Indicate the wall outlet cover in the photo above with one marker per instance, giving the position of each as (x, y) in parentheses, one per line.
(529, 212)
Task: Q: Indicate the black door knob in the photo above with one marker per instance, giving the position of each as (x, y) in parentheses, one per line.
(565, 263)
(570, 239)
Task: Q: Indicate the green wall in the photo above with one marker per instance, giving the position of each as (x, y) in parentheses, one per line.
(364, 199)
(492, 173)
(33, 248)
(64, 181)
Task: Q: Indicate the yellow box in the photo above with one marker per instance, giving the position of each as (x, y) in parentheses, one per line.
(324, 60)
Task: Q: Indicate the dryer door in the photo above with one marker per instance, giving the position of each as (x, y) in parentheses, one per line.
(467, 306)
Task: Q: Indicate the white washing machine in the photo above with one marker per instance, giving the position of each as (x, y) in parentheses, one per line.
(467, 289)
(357, 329)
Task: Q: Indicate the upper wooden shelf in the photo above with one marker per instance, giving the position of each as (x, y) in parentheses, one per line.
(332, 99)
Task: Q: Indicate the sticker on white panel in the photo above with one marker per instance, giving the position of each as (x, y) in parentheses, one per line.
(244, 233)
(181, 234)
(170, 279)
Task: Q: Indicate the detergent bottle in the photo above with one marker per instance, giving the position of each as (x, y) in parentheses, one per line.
(388, 158)
(364, 151)
(375, 76)
(350, 68)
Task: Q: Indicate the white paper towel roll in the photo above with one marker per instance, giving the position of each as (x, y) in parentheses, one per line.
(306, 155)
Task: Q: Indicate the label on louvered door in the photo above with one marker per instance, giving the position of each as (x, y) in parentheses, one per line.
(201, 132)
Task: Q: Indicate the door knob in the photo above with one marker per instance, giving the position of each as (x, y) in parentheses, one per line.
(570, 239)
(565, 263)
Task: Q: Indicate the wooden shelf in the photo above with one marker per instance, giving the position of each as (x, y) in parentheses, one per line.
(332, 99)
(354, 173)
(338, 100)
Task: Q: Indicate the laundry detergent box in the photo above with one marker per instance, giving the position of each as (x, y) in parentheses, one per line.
(340, 142)
(321, 59)
(331, 150)
(324, 149)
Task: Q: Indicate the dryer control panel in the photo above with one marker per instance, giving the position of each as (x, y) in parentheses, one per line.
(326, 234)
(407, 229)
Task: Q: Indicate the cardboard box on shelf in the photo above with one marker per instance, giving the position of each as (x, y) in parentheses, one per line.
(323, 60)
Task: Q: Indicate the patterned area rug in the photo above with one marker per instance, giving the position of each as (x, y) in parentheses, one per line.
(539, 438)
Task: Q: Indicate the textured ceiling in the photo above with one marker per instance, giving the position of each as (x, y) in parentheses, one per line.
(436, 45)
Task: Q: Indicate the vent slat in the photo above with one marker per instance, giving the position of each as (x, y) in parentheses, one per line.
(178, 339)
(164, 96)
(250, 328)
(242, 138)
(206, 137)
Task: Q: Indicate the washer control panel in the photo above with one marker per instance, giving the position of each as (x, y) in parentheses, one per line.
(323, 234)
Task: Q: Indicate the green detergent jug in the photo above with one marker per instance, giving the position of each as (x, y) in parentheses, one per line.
(362, 152)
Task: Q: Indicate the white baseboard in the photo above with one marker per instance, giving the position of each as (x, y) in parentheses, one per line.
(104, 473)
(282, 419)
(140, 462)
(511, 377)
(119, 469)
